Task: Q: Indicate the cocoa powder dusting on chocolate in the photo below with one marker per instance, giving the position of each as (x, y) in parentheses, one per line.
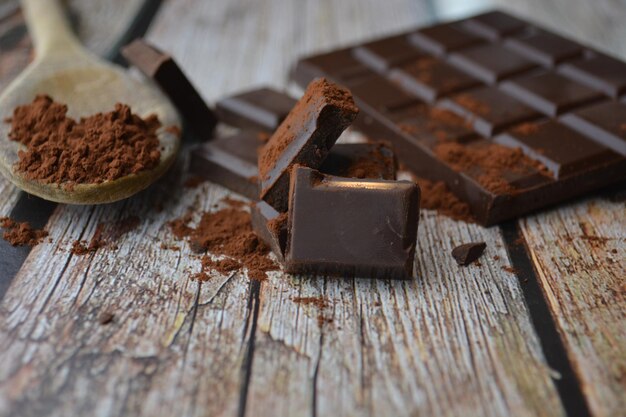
(491, 160)
(436, 196)
(98, 148)
(526, 129)
(227, 233)
(21, 233)
(473, 105)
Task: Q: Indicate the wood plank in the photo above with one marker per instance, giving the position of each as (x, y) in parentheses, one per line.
(455, 341)
(579, 252)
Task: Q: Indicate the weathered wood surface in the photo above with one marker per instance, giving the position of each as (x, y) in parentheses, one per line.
(454, 342)
(580, 257)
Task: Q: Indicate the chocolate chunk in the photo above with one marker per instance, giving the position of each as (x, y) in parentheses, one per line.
(604, 122)
(412, 111)
(489, 109)
(381, 55)
(493, 25)
(261, 108)
(443, 38)
(270, 226)
(598, 71)
(490, 63)
(230, 161)
(562, 150)
(469, 252)
(361, 160)
(162, 68)
(351, 227)
(544, 47)
(431, 78)
(550, 93)
(305, 137)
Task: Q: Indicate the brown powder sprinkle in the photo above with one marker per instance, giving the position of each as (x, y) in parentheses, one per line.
(319, 301)
(21, 233)
(526, 129)
(98, 148)
(227, 232)
(435, 195)
(472, 104)
(104, 235)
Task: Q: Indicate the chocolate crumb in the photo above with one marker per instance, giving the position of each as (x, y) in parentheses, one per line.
(509, 269)
(469, 252)
(106, 318)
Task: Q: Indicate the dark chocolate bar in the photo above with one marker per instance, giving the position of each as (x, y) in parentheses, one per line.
(511, 116)
(351, 227)
(162, 68)
(304, 137)
(261, 108)
(270, 226)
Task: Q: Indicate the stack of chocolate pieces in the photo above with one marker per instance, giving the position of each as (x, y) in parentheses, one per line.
(325, 208)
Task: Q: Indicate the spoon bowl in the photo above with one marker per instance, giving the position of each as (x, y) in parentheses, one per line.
(70, 74)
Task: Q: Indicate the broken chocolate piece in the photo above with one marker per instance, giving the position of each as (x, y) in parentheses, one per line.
(351, 227)
(162, 68)
(270, 226)
(469, 252)
(260, 108)
(304, 137)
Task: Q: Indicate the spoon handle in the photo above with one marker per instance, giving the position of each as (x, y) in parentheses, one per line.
(49, 27)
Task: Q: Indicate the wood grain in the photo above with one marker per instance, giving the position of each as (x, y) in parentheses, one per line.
(580, 256)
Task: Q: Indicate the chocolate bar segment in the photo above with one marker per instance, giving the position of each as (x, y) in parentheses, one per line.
(544, 47)
(443, 38)
(560, 149)
(340, 66)
(270, 226)
(260, 108)
(361, 160)
(305, 137)
(605, 122)
(598, 71)
(491, 63)
(381, 55)
(162, 68)
(494, 25)
(351, 227)
(550, 93)
(230, 161)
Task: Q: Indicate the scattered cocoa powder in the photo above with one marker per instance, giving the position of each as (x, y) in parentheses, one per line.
(227, 233)
(473, 105)
(276, 224)
(21, 233)
(436, 196)
(105, 235)
(319, 301)
(98, 148)
(509, 269)
(526, 129)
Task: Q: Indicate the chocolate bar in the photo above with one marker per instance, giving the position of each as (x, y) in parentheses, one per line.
(304, 137)
(351, 227)
(231, 161)
(510, 116)
(162, 68)
(261, 108)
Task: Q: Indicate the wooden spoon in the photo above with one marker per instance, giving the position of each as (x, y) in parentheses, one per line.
(70, 74)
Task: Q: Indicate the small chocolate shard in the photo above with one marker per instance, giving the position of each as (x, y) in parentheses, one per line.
(106, 318)
(304, 137)
(162, 68)
(469, 252)
(270, 226)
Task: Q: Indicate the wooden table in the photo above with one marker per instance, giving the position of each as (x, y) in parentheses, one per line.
(538, 329)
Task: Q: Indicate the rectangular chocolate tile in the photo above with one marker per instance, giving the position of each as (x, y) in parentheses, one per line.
(604, 122)
(361, 160)
(261, 108)
(489, 109)
(304, 137)
(544, 47)
(562, 150)
(550, 93)
(431, 78)
(230, 161)
(381, 55)
(443, 38)
(340, 66)
(493, 25)
(351, 227)
(490, 63)
(598, 71)
(162, 68)
(431, 125)
(381, 94)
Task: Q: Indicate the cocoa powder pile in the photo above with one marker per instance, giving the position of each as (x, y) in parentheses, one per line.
(435, 195)
(21, 233)
(228, 233)
(102, 147)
